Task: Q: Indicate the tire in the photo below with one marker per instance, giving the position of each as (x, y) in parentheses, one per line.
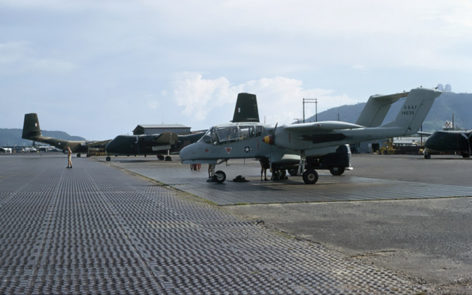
(220, 176)
(427, 155)
(108, 159)
(310, 176)
(283, 174)
(465, 155)
(160, 157)
(275, 175)
(279, 175)
(336, 170)
(293, 171)
(168, 158)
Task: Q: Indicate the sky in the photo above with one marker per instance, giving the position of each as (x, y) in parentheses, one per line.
(99, 68)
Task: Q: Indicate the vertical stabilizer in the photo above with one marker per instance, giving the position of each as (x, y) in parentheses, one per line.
(376, 109)
(414, 110)
(31, 128)
(246, 108)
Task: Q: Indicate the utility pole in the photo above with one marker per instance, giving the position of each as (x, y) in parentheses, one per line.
(310, 100)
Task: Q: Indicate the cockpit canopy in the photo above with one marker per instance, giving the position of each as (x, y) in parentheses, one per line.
(231, 133)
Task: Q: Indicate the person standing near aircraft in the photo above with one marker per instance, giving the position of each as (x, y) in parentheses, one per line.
(265, 164)
(69, 157)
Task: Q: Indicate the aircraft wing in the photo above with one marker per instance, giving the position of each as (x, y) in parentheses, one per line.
(165, 138)
(100, 143)
(320, 127)
(424, 133)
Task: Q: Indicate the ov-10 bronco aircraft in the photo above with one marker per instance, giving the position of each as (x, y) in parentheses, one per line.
(32, 131)
(247, 138)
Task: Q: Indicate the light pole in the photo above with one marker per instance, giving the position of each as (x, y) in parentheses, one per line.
(310, 100)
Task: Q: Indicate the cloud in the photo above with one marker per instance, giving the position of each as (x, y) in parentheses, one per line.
(199, 96)
(279, 98)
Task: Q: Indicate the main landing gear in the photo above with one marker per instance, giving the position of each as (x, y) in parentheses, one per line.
(279, 174)
(164, 158)
(310, 176)
(337, 170)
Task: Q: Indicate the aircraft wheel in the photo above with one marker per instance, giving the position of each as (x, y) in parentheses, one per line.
(78, 155)
(336, 170)
(427, 155)
(310, 177)
(293, 171)
(108, 159)
(220, 176)
(283, 174)
(276, 175)
(168, 158)
(465, 156)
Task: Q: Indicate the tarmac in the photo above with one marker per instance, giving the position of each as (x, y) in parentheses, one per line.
(139, 225)
(400, 212)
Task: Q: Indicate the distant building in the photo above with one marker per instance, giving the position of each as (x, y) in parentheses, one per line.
(158, 129)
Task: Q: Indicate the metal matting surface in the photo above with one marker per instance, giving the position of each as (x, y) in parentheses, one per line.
(94, 230)
(347, 187)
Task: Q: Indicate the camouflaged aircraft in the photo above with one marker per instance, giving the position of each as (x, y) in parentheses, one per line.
(245, 137)
(449, 141)
(161, 145)
(32, 131)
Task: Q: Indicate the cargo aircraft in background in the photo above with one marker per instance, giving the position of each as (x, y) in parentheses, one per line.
(308, 144)
(449, 141)
(32, 131)
(162, 144)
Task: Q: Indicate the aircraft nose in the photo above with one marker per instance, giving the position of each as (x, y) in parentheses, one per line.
(110, 147)
(187, 152)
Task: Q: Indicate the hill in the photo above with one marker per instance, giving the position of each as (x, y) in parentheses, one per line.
(447, 104)
(12, 137)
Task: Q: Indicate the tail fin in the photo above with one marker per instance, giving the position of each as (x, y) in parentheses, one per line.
(31, 128)
(246, 108)
(414, 110)
(377, 108)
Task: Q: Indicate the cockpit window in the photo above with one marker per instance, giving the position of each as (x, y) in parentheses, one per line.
(218, 135)
(227, 134)
(246, 132)
(206, 138)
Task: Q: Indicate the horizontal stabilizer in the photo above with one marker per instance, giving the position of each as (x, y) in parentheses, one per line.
(377, 108)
